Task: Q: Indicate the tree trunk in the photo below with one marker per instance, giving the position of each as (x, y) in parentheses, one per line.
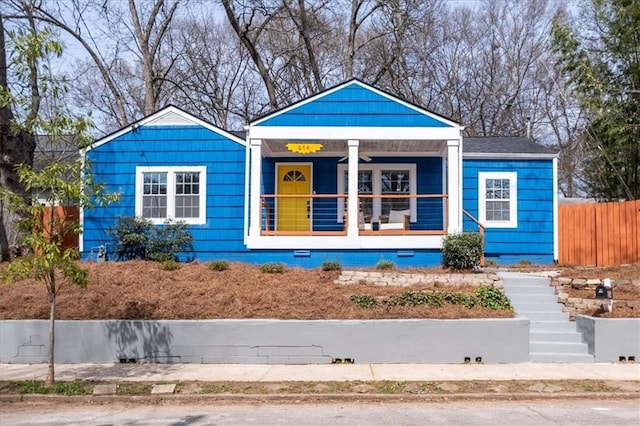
(15, 148)
(52, 333)
(250, 45)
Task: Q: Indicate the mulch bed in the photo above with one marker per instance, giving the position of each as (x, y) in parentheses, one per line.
(142, 290)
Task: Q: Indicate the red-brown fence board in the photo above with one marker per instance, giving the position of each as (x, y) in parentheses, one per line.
(599, 234)
(69, 213)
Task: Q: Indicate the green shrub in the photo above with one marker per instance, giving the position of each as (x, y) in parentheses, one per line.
(488, 297)
(385, 265)
(170, 265)
(138, 238)
(462, 251)
(364, 301)
(415, 298)
(331, 266)
(219, 265)
(272, 268)
(492, 298)
(132, 236)
(168, 240)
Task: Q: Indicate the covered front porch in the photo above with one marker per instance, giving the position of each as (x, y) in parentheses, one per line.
(364, 181)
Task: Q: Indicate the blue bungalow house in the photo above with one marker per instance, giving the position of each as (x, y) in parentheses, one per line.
(352, 174)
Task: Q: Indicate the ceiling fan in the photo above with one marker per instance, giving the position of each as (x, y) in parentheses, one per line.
(363, 157)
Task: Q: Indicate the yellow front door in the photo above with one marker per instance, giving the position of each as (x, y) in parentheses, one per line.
(294, 213)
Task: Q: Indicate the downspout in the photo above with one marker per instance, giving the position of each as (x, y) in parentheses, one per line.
(460, 180)
(556, 245)
(247, 157)
(83, 154)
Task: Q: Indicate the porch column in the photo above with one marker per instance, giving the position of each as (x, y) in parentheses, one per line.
(254, 186)
(454, 185)
(352, 201)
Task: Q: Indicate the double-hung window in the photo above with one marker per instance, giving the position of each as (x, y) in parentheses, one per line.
(497, 199)
(378, 180)
(177, 193)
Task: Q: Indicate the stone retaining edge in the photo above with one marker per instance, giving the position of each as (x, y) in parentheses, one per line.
(407, 279)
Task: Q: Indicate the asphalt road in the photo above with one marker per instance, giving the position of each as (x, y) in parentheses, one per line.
(519, 413)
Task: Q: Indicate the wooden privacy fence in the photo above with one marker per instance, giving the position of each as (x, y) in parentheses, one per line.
(599, 234)
(64, 213)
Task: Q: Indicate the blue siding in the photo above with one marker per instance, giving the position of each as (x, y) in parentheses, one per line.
(347, 258)
(353, 105)
(533, 238)
(114, 163)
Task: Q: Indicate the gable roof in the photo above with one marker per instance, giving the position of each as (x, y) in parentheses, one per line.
(354, 103)
(167, 116)
(505, 146)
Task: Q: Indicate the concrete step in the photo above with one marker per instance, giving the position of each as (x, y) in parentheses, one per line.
(559, 357)
(555, 336)
(545, 315)
(537, 307)
(558, 347)
(529, 289)
(532, 298)
(552, 326)
(517, 277)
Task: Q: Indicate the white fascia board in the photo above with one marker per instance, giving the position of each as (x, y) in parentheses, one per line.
(155, 116)
(357, 133)
(508, 156)
(316, 242)
(367, 87)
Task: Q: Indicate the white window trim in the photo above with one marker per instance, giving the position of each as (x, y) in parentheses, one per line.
(377, 186)
(513, 199)
(171, 188)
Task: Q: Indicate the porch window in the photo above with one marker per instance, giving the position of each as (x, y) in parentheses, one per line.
(365, 186)
(394, 182)
(380, 180)
(178, 193)
(497, 199)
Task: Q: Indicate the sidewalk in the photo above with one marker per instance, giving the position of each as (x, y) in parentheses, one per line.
(322, 373)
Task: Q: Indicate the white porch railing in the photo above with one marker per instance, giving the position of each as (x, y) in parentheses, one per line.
(326, 214)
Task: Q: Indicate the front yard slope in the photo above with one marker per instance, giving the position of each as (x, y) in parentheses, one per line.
(143, 290)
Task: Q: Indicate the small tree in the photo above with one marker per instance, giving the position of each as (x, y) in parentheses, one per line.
(44, 228)
(41, 224)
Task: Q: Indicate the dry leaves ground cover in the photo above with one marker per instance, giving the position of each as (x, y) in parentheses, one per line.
(142, 290)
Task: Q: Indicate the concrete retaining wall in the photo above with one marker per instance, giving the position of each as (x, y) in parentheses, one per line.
(269, 341)
(611, 339)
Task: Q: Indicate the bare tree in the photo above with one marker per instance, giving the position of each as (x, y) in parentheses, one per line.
(120, 42)
(361, 11)
(249, 21)
(213, 78)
